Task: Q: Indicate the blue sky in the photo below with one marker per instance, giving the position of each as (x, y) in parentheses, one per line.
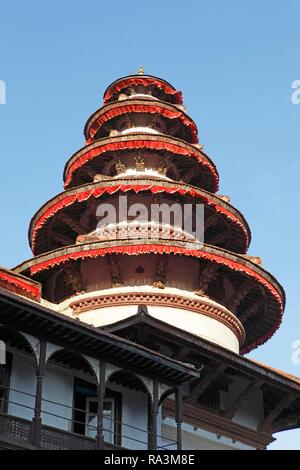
(234, 62)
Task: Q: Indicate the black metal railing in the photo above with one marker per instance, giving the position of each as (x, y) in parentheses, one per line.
(14, 428)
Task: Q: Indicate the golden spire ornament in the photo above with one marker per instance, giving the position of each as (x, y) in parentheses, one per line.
(141, 70)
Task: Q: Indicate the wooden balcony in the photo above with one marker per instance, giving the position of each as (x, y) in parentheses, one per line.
(15, 433)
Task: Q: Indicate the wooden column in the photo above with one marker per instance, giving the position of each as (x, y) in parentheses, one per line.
(178, 414)
(152, 437)
(100, 396)
(36, 426)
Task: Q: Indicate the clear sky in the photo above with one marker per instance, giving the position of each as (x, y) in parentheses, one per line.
(234, 61)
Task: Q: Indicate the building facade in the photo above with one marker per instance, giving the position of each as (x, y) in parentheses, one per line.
(128, 327)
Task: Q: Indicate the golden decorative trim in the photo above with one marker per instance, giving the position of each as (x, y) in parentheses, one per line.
(140, 136)
(163, 300)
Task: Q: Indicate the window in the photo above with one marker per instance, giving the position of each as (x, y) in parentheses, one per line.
(108, 418)
(85, 411)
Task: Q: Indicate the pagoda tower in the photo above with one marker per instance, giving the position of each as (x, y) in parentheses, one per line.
(142, 148)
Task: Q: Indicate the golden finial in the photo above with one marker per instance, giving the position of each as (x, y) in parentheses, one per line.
(141, 70)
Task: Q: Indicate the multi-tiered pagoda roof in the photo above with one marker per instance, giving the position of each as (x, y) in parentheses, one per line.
(205, 304)
(142, 143)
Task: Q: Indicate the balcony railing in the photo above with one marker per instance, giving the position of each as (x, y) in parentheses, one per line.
(16, 431)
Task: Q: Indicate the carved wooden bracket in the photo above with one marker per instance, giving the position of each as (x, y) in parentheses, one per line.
(161, 272)
(191, 173)
(68, 220)
(250, 310)
(115, 270)
(208, 274)
(73, 278)
(284, 403)
(212, 220)
(62, 239)
(204, 383)
(245, 393)
(219, 238)
(241, 292)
